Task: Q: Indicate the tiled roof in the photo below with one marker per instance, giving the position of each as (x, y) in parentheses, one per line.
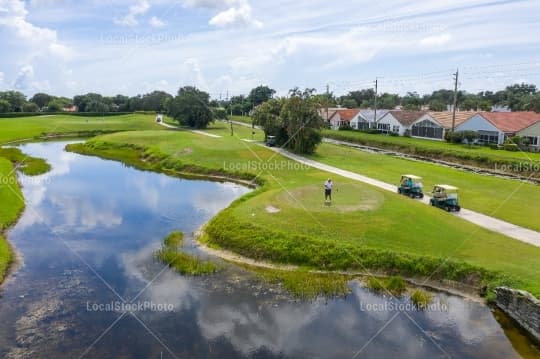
(445, 118)
(347, 114)
(406, 117)
(511, 122)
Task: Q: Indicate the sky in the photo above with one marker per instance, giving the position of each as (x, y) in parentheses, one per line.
(69, 47)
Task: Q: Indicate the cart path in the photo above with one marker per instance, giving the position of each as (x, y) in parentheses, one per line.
(508, 229)
(194, 131)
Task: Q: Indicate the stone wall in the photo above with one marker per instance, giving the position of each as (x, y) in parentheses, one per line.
(521, 306)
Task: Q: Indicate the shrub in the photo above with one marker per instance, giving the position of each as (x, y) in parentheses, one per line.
(393, 134)
(420, 298)
(511, 147)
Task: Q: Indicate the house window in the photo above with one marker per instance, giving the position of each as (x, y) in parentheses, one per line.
(363, 125)
(533, 141)
(427, 129)
(395, 129)
(488, 137)
(383, 127)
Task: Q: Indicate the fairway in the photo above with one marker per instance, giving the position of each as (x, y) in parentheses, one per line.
(303, 231)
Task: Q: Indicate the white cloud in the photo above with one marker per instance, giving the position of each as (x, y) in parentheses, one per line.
(24, 78)
(13, 16)
(156, 22)
(437, 40)
(239, 14)
(134, 10)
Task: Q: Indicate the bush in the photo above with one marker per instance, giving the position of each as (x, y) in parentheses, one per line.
(511, 147)
(344, 128)
(420, 298)
(393, 134)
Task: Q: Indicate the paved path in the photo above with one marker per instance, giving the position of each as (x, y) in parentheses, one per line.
(194, 131)
(482, 220)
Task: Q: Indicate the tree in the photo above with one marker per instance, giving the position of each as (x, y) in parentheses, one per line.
(41, 99)
(388, 101)
(4, 106)
(191, 107)
(301, 121)
(30, 107)
(267, 115)
(349, 103)
(55, 106)
(155, 101)
(220, 113)
(91, 102)
(16, 100)
(411, 101)
(260, 94)
(437, 105)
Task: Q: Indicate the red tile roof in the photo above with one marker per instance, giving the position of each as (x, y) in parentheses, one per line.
(347, 114)
(445, 118)
(511, 122)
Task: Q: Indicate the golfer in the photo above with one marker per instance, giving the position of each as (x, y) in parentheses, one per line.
(328, 190)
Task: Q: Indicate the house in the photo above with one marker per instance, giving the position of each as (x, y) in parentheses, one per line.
(496, 127)
(70, 108)
(342, 117)
(434, 125)
(365, 118)
(532, 133)
(327, 113)
(398, 121)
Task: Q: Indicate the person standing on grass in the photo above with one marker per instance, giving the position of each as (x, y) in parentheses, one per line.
(328, 190)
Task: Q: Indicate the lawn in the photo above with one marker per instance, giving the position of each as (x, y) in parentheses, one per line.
(286, 220)
(28, 127)
(421, 146)
(502, 198)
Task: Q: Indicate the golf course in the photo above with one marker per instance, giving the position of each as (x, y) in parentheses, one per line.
(285, 220)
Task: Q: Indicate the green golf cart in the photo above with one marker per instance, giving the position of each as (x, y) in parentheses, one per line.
(446, 197)
(411, 185)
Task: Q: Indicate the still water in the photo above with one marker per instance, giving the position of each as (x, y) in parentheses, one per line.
(88, 287)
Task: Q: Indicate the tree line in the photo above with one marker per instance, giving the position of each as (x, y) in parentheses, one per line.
(517, 97)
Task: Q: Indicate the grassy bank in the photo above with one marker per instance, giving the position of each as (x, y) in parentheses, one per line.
(11, 206)
(523, 163)
(501, 198)
(286, 220)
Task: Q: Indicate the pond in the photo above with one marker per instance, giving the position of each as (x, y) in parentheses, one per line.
(88, 286)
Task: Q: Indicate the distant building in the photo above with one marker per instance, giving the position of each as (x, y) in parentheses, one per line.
(398, 121)
(496, 127)
(365, 118)
(532, 134)
(342, 117)
(70, 108)
(434, 125)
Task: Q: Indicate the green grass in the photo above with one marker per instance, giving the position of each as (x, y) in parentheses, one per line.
(244, 119)
(11, 205)
(170, 254)
(420, 298)
(365, 228)
(31, 127)
(28, 165)
(422, 146)
(501, 198)
(394, 285)
(305, 285)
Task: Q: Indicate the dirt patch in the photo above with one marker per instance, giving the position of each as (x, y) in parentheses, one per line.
(272, 209)
(185, 151)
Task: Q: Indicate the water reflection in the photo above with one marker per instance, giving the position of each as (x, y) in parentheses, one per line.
(87, 237)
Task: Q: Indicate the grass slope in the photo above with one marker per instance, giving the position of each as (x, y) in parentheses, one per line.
(11, 205)
(385, 232)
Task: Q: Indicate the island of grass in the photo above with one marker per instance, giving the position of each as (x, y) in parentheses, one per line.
(171, 254)
(366, 229)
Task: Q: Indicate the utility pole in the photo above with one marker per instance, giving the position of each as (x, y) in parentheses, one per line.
(327, 100)
(455, 100)
(375, 113)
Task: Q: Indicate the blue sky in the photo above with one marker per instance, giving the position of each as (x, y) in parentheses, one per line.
(68, 47)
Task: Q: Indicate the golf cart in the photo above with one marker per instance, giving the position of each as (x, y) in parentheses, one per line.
(445, 197)
(271, 141)
(411, 185)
